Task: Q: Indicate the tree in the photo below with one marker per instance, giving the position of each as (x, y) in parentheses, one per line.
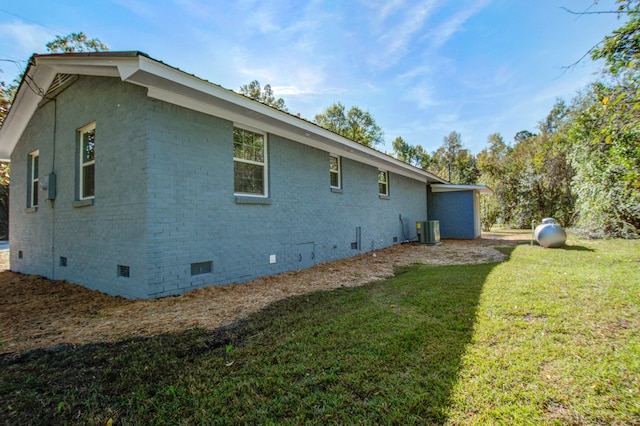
(491, 166)
(410, 154)
(264, 95)
(606, 157)
(605, 136)
(453, 162)
(621, 50)
(75, 42)
(7, 92)
(355, 124)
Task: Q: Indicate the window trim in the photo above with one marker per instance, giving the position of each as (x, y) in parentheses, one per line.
(34, 181)
(384, 173)
(264, 164)
(338, 172)
(81, 164)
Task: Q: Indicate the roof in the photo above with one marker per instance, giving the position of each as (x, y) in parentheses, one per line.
(175, 86)
(439, 187)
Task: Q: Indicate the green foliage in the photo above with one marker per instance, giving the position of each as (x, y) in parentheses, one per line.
(7, 93)
(584, 166)
(606, 156)
(453, 162)
(621, 50)
(75, 42)
(264, 95)
(355, 124)
(414, 155)
(491, 166)
(532, 179)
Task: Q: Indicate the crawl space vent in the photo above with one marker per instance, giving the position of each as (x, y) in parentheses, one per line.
(201, 268)
(124, 271)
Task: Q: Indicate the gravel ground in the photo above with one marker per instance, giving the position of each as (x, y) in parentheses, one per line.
(37, 313)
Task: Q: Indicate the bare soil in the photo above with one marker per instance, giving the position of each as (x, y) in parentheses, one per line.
(37, 313)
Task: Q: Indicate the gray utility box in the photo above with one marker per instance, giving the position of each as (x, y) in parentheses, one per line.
(428, 232)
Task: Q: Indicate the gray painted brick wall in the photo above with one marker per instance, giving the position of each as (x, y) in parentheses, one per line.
(94, 239)
(164, 199)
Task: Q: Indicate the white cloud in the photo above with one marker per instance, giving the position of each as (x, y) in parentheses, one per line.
(25, 38)
(397, 38)
(454, 24)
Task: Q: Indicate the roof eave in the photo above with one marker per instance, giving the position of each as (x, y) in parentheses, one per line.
(449, 187)
(172, 85)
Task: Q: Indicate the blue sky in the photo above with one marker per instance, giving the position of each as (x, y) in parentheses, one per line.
(422, 68)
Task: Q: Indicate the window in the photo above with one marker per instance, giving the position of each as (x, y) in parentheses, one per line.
(34, 158)
(87, 187)
(249, 162)
(334, 171)
(383, 182)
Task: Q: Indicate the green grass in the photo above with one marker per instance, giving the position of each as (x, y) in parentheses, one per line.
(550, 336)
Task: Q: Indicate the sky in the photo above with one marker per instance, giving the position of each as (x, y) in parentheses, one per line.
(422, 68)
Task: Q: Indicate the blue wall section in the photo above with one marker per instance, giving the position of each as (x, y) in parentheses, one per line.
(455, 211)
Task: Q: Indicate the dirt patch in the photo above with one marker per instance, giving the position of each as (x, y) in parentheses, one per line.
(36, 312)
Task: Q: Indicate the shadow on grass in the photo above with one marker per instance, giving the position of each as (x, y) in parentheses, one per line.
(576, 248)
(387, 352)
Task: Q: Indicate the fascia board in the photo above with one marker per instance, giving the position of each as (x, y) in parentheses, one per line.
(36, 80)
(435, 187)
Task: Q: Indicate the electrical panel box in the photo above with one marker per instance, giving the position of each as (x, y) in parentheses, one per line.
(48, 184)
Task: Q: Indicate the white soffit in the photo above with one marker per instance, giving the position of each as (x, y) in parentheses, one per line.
(439, 187)
(177, 87)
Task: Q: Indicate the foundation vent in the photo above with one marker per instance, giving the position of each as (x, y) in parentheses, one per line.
(124, 271)
(201, 268)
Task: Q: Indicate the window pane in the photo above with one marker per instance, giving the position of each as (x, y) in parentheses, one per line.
(383, 182)
(34, 192)
(333, 163)
(335, 181)
(248, 178)
(35, 166)
(88, 179)
(88, 145)
(258, 148)
(248, 145)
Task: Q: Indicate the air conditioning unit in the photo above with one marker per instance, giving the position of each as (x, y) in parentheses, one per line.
(428, 232)
(432, 232)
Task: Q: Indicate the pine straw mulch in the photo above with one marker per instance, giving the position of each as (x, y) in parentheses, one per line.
(38, 313)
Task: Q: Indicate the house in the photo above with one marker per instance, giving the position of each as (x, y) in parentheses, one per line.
(137, 179)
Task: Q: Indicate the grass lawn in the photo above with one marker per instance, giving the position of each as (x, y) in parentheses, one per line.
(549, 336)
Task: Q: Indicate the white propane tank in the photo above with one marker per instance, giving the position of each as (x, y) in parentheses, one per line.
(549, 234)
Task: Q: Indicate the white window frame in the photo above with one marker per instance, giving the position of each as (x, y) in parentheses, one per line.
(34, 179)
(384, 182)
(264, 164)
(338, 172)
(82, 164)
